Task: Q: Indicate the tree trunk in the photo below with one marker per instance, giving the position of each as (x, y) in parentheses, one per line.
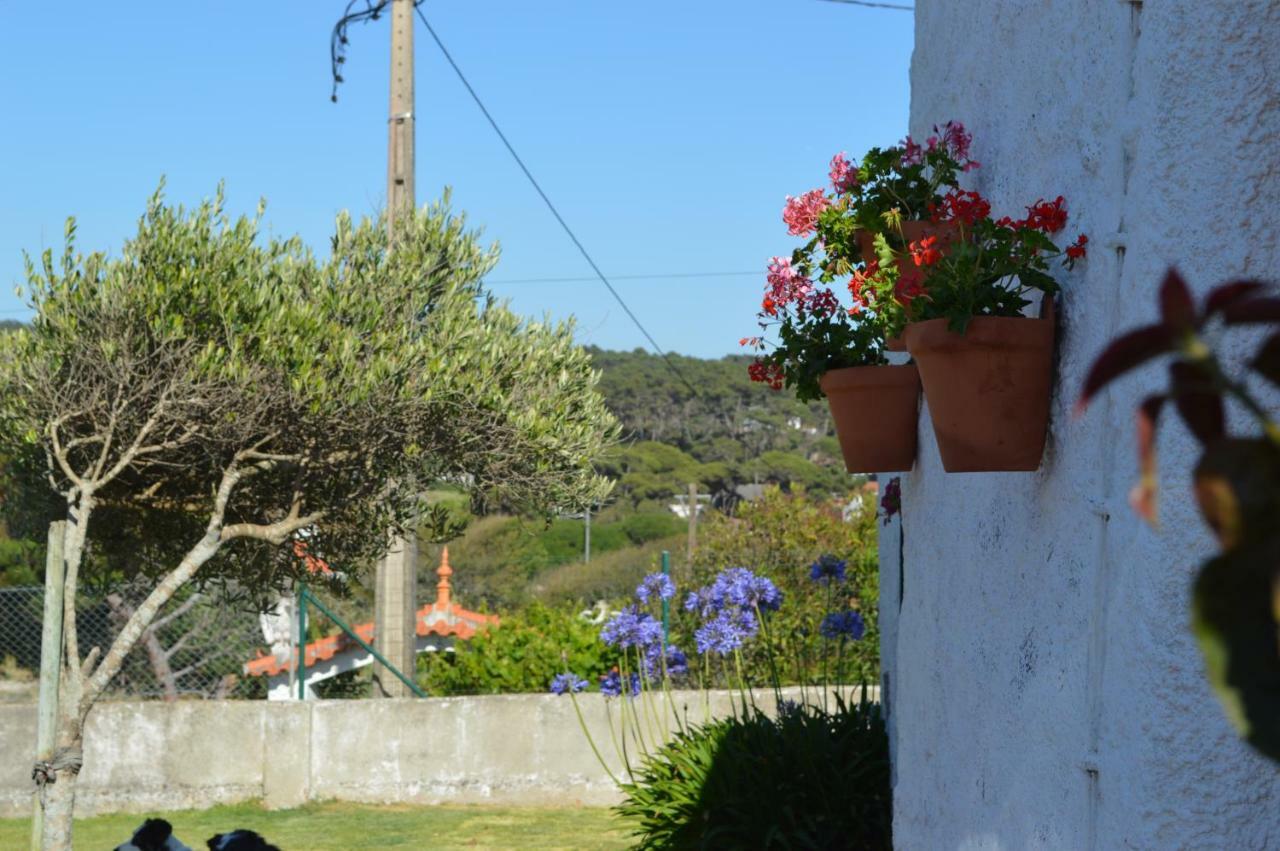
(59, 797)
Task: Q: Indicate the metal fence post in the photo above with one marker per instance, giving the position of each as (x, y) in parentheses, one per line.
(50, 665)
(302, 641)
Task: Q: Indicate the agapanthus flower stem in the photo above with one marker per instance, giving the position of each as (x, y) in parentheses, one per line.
(768, 650)
(582, 722)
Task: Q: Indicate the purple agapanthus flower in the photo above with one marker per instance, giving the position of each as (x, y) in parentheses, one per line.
(611, 684)
(725, 632)
(789, 707)
(847, 624)
(741, 587)
(655, 585)
(827, 569)
(703, 602)
(632, 628)
(567, 683)
(677, 662)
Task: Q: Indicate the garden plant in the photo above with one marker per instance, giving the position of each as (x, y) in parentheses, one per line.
(1236, 598)
(813, 773)
(197, 405)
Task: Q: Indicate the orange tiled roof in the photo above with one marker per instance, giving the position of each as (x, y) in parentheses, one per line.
(443, 618)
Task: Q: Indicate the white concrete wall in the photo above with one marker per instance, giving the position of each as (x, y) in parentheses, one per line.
(525, 749)
(1045, 691)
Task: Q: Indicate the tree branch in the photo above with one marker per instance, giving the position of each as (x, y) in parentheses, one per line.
(275, 533)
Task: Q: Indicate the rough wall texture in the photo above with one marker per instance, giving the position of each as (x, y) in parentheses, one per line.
(512, 749)
(1044, 689)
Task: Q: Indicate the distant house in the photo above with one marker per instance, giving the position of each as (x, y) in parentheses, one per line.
(680, 508)
(439, 624)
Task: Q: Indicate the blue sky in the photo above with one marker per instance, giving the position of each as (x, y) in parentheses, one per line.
(668, 133)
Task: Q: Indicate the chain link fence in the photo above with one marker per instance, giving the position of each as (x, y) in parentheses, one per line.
(195, 649)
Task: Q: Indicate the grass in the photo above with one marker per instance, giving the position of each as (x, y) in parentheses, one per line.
(343, 827)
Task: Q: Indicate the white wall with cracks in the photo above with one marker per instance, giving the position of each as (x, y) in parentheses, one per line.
(1043, 687)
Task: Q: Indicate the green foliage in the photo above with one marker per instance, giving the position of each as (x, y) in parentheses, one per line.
(815, 332)
(779, 536)
(506, 561)
(611, 576)
(521, 654)
(643, 528)
(808, 779)
(719, 431)
(21, 562)
(989, 270)
(335, 390)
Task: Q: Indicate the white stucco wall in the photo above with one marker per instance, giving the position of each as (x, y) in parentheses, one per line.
(1044, 689)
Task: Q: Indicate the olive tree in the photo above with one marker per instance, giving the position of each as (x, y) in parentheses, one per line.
(210, 396)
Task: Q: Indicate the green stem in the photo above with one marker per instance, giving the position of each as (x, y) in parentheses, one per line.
(742, 683)
(768, 648)
(582, 722)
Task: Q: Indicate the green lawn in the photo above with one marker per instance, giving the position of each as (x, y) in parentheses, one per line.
(348, 827)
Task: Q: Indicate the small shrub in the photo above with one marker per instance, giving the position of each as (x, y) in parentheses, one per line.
(806, 779)
(643, 528)
(522, 654)
(21, 562)
(779, 536)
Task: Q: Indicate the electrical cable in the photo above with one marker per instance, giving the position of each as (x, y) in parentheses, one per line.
(676, 275)
(872, 5)
(338, 38)
(550, 206)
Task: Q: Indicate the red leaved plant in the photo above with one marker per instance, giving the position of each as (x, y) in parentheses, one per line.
(1236, 601)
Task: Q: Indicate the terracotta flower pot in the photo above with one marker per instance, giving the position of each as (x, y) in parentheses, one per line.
(875, 410)
(988, 390)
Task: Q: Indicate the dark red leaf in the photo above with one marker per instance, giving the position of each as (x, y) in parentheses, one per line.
(1237, 483)
(1222, 296)
(1199, 401)
(1143, 496)
(1123, 354)
(1267, 362)
(1177, 309)
(1247, 310)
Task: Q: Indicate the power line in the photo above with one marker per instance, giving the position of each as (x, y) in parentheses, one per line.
(624, 278)
(338, 40)
(871, 5)
(552, 207)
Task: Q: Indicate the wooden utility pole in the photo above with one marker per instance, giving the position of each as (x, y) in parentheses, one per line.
(400, 194)
(396, 586)
(50, 664)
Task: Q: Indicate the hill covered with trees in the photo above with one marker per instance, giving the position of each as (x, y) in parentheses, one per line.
(705, 421)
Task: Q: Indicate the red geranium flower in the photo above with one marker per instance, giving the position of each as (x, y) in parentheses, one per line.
(1076, 250)
(924, 253)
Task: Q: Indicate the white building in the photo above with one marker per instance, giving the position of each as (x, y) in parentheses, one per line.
(1043, 687)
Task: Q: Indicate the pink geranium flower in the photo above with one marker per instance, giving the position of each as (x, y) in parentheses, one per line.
(785, 283)
(801, 214)
(844, 176)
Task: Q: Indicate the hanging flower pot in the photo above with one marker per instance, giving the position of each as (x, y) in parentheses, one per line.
(875, 410)
(988, 389)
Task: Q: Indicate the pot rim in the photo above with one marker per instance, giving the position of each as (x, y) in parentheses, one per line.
(879, 375)
(994, 331)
